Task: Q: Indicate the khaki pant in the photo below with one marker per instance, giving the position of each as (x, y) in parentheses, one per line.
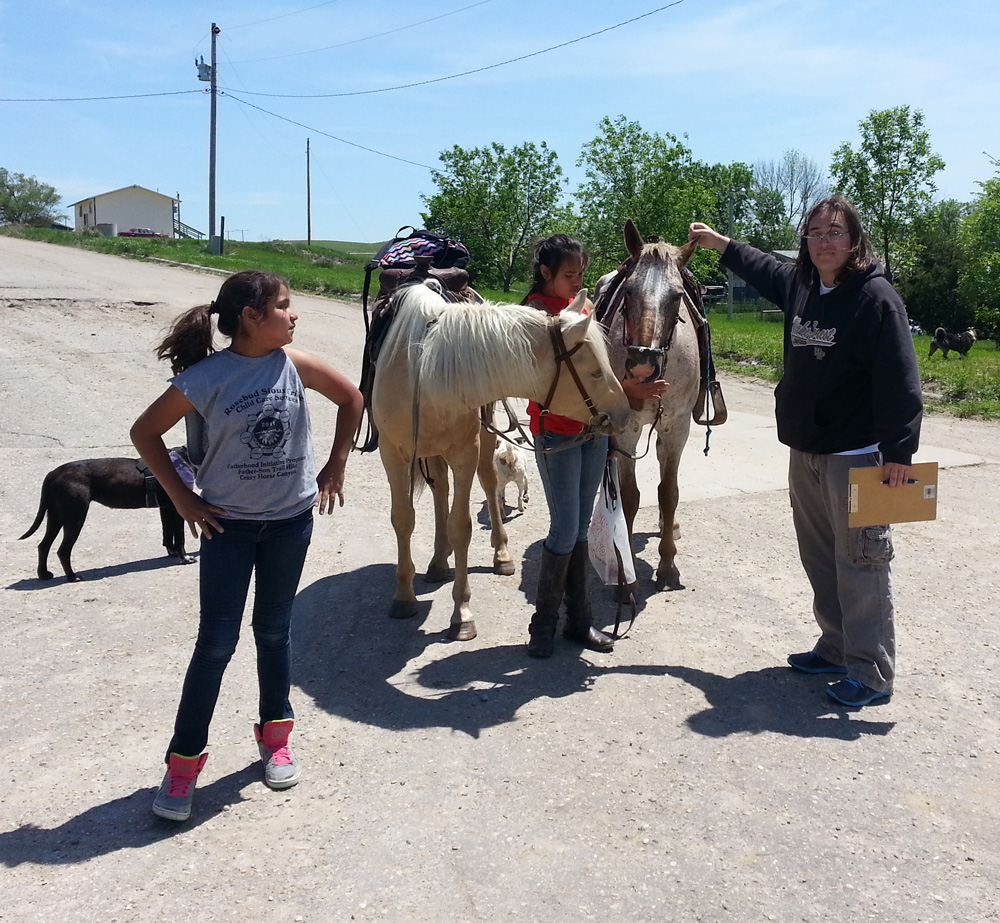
(847, 568)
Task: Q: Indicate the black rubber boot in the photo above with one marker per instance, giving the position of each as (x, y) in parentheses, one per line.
(551, 583)
(579, 618)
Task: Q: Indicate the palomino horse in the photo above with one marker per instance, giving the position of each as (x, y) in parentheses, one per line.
(439, 364)
(651, 334)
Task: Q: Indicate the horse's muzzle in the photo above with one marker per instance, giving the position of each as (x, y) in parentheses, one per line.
(645, 362)
(601, 423)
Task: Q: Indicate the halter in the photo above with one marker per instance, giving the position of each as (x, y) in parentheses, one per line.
(564, 356)
(710, 407)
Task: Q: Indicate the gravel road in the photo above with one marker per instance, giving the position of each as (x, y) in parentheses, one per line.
(688, 776)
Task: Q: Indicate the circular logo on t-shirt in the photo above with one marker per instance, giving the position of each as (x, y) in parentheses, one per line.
(267, 432)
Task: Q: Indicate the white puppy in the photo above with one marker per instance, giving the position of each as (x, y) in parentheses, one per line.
(508, 460)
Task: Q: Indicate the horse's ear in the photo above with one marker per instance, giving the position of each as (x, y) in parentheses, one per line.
(575, 323)
(579, 303)
(685, 253)
(633, 239)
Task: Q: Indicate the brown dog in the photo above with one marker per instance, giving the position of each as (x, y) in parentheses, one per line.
(959, 342)
(119, 483)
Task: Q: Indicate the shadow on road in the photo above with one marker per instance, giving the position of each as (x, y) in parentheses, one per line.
(775, 700)
(357, 663)
(99, 573)
(125, 823)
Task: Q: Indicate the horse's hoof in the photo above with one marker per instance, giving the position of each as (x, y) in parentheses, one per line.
(464, 632)
(402, 609)
(668, 582)
(437, 574)
(503, 568)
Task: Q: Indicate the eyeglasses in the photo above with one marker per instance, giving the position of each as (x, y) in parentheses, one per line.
(834, 237)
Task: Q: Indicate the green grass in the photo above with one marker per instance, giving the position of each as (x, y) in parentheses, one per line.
(745, 345)
(322, 268)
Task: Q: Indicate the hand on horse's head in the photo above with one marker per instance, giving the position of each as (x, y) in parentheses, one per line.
(701, 234)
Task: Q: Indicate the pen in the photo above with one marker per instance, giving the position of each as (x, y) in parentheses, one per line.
(909, 481)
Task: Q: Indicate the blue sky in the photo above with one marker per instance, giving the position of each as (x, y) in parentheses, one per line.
(743, 81)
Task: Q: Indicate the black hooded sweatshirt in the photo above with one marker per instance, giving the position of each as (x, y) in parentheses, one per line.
(850, 371)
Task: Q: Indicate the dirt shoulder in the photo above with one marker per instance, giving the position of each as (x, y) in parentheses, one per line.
(687, 776)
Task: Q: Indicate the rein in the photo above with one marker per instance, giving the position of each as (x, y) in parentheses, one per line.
(563, 357)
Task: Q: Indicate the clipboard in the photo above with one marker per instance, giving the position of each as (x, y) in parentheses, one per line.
(872, 503)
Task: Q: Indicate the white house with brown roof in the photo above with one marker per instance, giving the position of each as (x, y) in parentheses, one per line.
(127, 208)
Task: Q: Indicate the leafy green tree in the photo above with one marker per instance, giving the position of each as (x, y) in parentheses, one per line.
(979, 279)
(930, 286)
(633, 173)
(25, 200)
(890, 178)
(496, 202)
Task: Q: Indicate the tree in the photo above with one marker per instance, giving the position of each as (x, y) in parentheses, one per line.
(890, 178)
(25, 200)
(796, 180)
(979, 279)
(637, 174)
(496, 202)
(930, 287)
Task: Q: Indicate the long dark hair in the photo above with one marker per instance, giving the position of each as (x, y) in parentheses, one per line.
(190, 338)
(862, 254)
(551, 253)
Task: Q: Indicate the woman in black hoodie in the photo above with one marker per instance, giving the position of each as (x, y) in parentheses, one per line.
(849, 397)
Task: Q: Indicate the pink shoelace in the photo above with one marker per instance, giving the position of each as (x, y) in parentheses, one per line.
(180, 784)
(282, 756)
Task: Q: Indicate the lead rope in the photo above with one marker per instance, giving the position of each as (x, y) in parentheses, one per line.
(708, 384)
(611, 492)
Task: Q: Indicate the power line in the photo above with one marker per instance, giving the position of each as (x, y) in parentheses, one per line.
(87, 99)
(327, 134)
(477, 70)
(366, 38)
(246, 25)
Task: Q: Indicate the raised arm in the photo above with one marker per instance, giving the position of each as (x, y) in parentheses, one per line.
(701, 234)
(317, 376)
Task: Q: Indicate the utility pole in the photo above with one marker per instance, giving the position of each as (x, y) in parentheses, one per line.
(309, 226)
(729, 272)
(207, 72)
(211, 142)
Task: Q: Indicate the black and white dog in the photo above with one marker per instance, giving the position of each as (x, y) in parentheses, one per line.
(959, 342)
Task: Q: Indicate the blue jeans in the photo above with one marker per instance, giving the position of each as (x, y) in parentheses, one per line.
(276, 549)
(570, 479)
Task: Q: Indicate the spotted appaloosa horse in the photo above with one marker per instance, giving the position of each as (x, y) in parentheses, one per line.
(439, 364)
(652, 334)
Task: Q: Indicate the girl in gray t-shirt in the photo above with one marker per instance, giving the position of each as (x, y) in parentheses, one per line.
(249, 440)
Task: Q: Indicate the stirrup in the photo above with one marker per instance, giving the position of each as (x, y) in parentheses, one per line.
(719, 412)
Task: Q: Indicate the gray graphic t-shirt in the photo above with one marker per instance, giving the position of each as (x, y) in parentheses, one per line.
(249, 437)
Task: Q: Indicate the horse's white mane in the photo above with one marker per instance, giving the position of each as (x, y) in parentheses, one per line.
(454, 348)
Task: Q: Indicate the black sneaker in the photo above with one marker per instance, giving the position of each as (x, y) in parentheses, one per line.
(851, 692)
(811, 662)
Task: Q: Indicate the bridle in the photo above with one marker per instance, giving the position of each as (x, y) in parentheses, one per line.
(564, 357)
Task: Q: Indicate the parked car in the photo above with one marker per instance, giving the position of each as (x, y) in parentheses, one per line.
(140, 232)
